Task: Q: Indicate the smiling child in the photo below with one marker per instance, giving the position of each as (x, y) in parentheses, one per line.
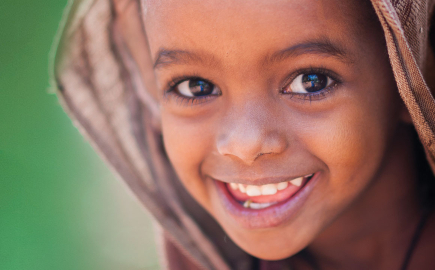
(264, 134)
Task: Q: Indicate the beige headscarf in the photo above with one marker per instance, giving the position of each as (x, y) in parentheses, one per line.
(101, 54)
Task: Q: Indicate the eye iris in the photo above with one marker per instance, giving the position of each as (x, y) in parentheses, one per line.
(314, 82)
(200, 87)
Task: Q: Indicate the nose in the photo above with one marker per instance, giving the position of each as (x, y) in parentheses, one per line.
(250, 132)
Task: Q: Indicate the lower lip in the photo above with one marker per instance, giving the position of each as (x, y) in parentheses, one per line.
(268, 217)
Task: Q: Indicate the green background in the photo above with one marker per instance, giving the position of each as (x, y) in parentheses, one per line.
(60, 207)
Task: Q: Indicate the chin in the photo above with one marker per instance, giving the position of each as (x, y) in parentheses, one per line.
(268, 246)
(270, 254)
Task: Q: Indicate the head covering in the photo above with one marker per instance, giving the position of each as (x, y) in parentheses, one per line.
(96, 73)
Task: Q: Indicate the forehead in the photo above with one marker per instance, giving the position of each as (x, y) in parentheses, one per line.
(242, 28)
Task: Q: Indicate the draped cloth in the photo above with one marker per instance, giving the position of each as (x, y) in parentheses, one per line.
(103, 82)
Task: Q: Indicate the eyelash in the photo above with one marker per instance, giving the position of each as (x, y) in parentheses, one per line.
(170, 92)
(325, 92)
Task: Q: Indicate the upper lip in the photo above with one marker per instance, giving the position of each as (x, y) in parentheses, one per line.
(257, 181)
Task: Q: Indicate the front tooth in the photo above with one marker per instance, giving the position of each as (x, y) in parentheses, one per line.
(269, 189)
(234, 186)
(242, 188)
(253, 190)
(297, 182)
(282, 185)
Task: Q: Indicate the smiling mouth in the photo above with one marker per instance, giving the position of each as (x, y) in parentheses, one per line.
(264, 196)
(265, 206)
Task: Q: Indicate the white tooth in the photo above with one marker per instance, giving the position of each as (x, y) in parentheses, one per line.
(269, 189)
(234, 186)
(253, 190)
(297, 182)
(308, 175)
(253, 205)
(242, 188)
(282, 185)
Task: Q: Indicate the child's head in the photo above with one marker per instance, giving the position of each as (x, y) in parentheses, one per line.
(261, 92)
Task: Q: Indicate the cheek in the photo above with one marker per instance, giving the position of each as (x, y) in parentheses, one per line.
(187, 143)
(351, 141)
(341, 140)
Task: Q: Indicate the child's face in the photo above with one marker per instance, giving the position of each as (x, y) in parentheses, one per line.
(262, 92)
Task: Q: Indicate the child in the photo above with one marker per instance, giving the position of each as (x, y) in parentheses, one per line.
(264, 134)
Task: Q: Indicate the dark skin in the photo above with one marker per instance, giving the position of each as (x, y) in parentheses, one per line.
(356, 133)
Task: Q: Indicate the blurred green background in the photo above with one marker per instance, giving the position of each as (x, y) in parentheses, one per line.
(60, 207)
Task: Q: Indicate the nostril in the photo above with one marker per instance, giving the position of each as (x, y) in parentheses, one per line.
(249, 149)
(245, 150)
(248, 140)
(261, 154)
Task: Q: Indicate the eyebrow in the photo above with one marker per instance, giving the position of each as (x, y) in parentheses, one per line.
(165, 57)
(325, 47)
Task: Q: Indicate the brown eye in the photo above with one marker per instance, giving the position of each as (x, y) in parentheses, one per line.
(197, 88)
(310, 83)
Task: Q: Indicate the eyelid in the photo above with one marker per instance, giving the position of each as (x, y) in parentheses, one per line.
(315, 95)
(170, 91)
(179, 79)
(333, 75)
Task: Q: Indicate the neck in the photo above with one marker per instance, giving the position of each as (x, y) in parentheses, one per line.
(376, 230)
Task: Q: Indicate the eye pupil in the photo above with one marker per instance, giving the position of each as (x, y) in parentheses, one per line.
(200, 87)
(314, 82)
